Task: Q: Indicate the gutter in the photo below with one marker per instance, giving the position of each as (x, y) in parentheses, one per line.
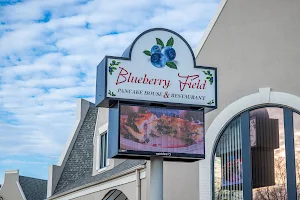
(129, 171)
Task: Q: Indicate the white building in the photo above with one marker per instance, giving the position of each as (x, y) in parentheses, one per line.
(254, 45)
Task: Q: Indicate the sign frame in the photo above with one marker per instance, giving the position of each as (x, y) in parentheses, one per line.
(103, 100)
(114, 139)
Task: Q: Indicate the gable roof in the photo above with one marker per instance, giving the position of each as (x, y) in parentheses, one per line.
(33, 188)
(209, 27)
(79, 166)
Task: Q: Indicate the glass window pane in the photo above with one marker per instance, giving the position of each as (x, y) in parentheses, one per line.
(103, 150)
(228, 164)
(297, 150)
(268, 154)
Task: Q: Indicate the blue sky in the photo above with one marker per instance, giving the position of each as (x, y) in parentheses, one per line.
(49, 51)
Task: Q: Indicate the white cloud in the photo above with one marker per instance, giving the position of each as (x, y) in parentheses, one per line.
(44, 67)
(18, 162)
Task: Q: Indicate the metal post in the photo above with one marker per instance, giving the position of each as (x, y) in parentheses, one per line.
(290, 153)
(138, 185)
(246, 156)
(156, 178)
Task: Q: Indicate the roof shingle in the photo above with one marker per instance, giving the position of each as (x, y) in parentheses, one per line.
(33, 188)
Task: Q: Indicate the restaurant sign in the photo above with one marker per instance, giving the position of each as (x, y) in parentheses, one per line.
(159, 67)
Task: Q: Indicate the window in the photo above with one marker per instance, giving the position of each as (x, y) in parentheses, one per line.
(115, 195)
(228, 164)
(268, 155)
(296, 118)
(262, 138)
(103, 150)
(101, 159)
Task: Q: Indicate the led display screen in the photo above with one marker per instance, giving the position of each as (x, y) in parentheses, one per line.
(161, 131)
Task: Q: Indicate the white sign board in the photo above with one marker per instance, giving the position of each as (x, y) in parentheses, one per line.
(160, 68)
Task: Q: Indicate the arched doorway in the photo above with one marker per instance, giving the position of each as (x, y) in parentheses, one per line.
(115, 195)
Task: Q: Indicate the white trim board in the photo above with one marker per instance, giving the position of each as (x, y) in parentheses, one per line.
(82, 107)
(103, 128)
(21, 191)
(11, 171)
(209, 27)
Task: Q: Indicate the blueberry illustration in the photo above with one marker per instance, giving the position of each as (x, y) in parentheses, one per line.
(211, 79)
(158, 60)
(169, 52)
(110, 69)
(156, 49)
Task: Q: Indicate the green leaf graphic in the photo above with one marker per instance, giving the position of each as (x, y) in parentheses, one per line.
(158, 41)
(148, 53)
(171, 65)
(205, 72)
(170, 42)
(211, 102)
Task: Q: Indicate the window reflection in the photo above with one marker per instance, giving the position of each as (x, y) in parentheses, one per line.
(297, 150)
(268, 160)
(268, 154)
(228, 164)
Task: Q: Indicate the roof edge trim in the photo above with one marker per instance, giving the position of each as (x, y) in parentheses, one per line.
(209, 27)
(82, 107)
(123, 173)
(55, 171)
(12, 171)
(21, 190)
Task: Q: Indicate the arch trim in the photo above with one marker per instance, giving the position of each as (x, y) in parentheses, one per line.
(264, 97)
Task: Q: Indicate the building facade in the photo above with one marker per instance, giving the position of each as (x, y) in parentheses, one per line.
(18, 187)
(84, 172)
(252, 139)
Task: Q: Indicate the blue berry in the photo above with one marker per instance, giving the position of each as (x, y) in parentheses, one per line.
(170, 53)
(156, 49)
(110, 69)
(211, 79)
(158, 60)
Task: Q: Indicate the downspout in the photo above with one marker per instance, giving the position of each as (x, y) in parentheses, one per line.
(138, 184)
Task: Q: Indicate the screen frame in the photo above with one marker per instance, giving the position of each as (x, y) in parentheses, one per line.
(167, 155)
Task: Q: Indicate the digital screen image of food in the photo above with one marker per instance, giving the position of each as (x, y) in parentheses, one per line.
(161, 130)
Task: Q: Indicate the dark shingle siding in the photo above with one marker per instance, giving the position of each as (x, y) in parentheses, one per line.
(80, 161)
(33, 189)
(79, 166)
